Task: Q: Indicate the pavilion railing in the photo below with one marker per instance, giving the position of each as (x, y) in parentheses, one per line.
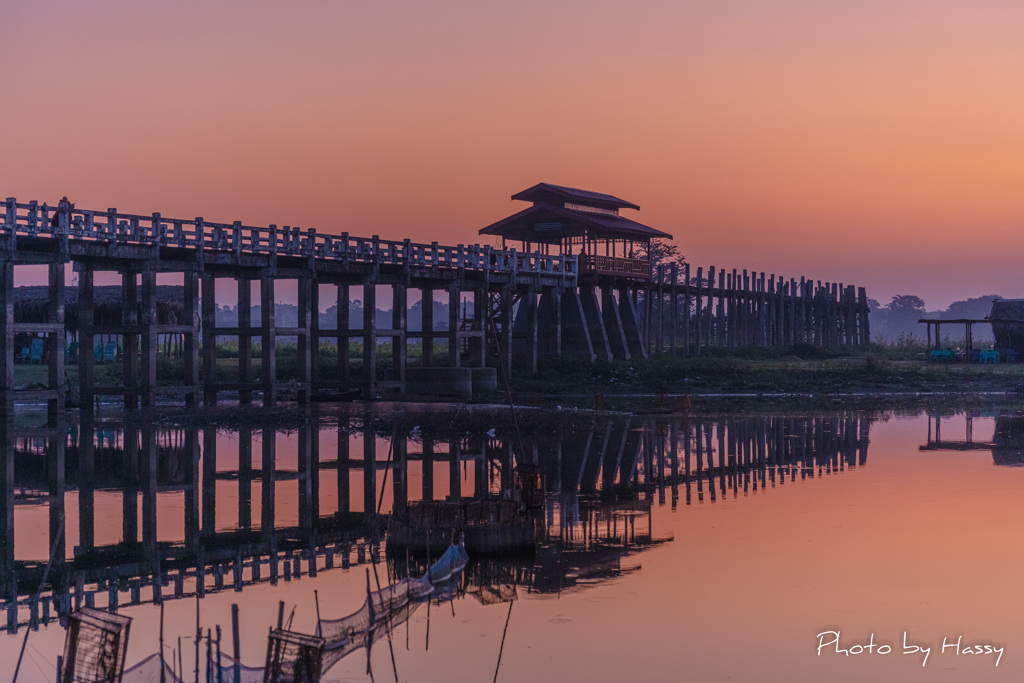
(637, 269)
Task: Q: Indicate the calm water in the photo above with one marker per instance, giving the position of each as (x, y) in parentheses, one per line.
(706, 549)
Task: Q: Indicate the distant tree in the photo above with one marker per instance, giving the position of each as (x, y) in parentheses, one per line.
(899, 318)
(977, 307)
(663, 253)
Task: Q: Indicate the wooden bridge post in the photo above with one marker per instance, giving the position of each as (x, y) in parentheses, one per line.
(314, 338)
(478, 345)
(617, 344)
(344, 466)
(268, 484)
(55, 475)
(269, 339)
(244, 340)
(862, 314)
(305, 465)
(150, 458)
(304, 339)
(191, 342)
(148, 335)
(698, 313)
(427, 316)
(209, 327)
(7, 350)
(427, 468)
(209, 524)
(369, 470)
(245, 476)
(370, 338)
(86, 493)
(674, 311)
(454, 336)
(399, 319)
(86, 339)
(130, 337)
(344, 369)
(8, 578)
(56, 339)
(190, 444)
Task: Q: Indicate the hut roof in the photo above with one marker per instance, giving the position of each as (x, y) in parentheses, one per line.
(548, 223)
(546, 192)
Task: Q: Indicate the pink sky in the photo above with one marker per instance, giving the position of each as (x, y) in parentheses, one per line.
(875, 143)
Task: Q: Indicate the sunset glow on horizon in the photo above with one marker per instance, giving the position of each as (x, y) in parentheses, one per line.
(877, 144)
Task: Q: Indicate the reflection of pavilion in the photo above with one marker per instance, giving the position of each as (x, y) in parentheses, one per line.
(1006, 445)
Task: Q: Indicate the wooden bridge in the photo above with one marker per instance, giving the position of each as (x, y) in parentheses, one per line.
(521, 305)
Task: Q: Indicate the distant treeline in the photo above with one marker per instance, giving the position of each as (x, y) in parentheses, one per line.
(896, 322)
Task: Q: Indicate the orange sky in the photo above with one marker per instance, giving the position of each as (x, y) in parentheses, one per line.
(879, 143)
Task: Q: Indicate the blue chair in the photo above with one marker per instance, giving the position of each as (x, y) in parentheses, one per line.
(989, 356)
(36, 354)
(110, 352)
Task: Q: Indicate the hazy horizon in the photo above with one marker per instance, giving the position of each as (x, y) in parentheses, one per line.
(877, 145)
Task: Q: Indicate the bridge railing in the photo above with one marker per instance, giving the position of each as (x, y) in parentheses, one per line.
(34, 219)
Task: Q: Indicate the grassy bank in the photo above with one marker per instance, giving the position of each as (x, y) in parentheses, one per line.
(703, 375)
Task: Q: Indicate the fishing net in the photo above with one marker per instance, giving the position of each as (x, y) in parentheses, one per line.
(148, 671)
(386, 608)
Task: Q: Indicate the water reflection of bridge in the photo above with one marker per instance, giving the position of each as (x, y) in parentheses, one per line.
(603, 475)
(1006, 444)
